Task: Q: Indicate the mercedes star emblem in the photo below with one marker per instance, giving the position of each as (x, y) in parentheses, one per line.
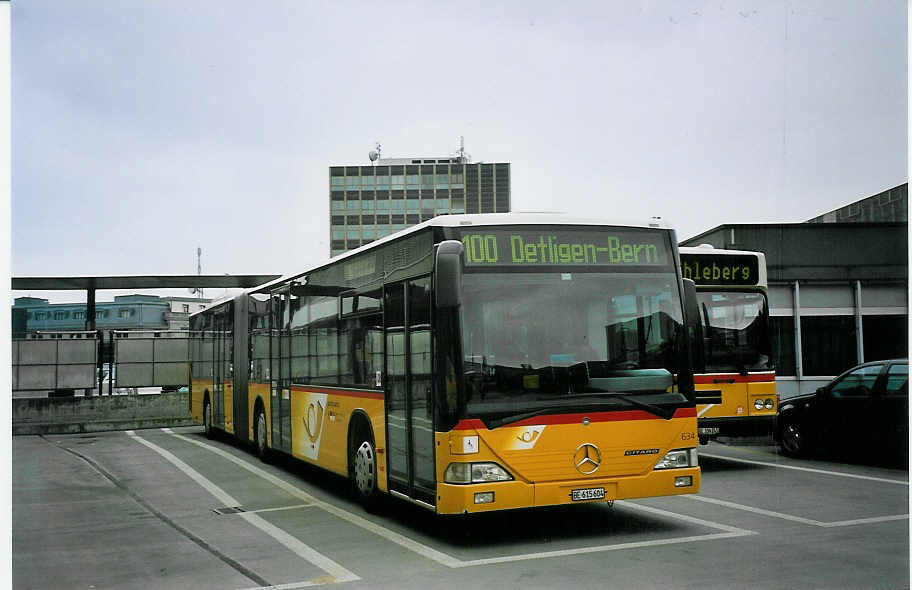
(587, 458)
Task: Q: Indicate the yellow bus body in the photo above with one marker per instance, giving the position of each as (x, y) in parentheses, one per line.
(538, 453)
(739, 394)
(541, 458)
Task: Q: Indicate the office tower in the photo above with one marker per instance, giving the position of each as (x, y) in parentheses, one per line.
(370, 202)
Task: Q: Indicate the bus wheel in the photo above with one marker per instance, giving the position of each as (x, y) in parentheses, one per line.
(364, 470)
(207, 419)
(259, 436)
(791, 439)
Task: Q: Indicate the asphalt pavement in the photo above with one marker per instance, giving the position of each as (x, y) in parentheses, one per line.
(170, 509)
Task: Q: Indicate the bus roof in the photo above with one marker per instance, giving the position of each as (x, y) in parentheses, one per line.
(709, 249)
(517, 218)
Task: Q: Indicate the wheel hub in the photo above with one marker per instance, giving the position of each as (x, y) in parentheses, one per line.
(364, 469)
(261, 432)
(791, 437)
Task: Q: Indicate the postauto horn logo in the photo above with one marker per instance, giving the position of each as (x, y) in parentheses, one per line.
(313, 422)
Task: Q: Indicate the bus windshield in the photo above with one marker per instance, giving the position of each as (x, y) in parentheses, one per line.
(735, 333)
(562, 342)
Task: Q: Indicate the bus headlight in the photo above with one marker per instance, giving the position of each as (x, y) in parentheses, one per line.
(758, 404)
(475, 473)
(768, 404)
(678, 458)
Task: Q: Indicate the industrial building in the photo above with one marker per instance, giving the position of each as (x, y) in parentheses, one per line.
(838, 286)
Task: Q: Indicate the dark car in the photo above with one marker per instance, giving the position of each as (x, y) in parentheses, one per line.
(864, 411)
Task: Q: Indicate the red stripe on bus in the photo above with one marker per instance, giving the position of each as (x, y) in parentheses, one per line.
(343, 392)
(476, 424)
(734, 378)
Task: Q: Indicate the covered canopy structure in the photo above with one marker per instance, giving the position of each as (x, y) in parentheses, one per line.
(92, 284)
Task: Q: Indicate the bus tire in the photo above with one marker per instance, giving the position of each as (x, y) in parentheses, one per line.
(363, 468)
(792, 440)
(259, 435)
(207, 419)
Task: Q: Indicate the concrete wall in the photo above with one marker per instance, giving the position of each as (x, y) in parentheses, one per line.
(93, 414)
(788, 387)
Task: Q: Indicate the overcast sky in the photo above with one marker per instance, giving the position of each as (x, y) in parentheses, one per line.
(141, 130)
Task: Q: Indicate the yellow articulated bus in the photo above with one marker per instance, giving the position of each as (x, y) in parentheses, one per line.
(734, 367)
(469, 363)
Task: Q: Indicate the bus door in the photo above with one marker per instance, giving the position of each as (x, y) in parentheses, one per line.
(221, 368)
(409, 411)
(280, 372)
(240, 368)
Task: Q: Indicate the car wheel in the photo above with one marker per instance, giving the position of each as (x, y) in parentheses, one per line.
(207, 419)
(259, 436)
(792, 440)
(364, 470)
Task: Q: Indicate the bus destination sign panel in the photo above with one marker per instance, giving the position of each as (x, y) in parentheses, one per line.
(532, 246)
(721, 269)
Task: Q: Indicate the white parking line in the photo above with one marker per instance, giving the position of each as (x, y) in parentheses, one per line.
(295, 585)
(865, 520)
(295, 507)
(336, 571)
(692, 519)
(389, 535)
(453, 562)
(731, 532)
(807, 469)
(601, 548)
(799, 519)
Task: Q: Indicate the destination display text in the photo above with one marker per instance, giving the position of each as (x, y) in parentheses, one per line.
(720, 269)
(545, 246)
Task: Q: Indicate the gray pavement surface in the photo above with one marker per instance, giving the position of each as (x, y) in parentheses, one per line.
(171, 509)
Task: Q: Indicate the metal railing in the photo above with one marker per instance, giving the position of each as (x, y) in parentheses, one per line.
(56, 362)
(151, 358)
(62, 363)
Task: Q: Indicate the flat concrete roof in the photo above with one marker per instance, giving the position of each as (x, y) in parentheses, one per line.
(138, 282)
(820, 251)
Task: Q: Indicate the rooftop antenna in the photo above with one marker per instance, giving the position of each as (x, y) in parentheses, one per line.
(374, 154)
(461, 154)
(199, 271)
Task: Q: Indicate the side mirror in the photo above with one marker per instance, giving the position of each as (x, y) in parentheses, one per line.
(694, 326)
(691, 306)
(449, 274)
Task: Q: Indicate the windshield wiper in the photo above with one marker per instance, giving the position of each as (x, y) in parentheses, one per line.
(664, 413)
(492, 424)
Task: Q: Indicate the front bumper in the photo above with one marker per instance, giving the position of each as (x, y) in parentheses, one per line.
(458, 499)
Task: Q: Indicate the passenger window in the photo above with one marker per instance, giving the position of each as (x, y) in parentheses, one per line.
(858, 383)
(898, 380)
